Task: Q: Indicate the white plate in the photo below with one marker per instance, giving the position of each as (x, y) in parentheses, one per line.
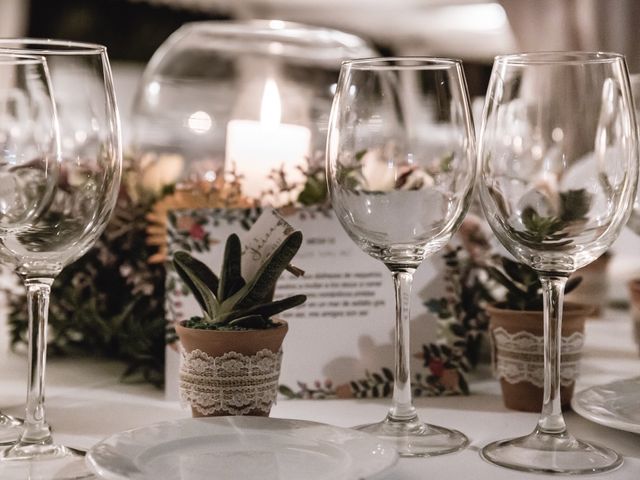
(615, 404)
(233, 448)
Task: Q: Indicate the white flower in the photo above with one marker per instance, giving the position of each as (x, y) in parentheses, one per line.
(379, 174)
(158, 171)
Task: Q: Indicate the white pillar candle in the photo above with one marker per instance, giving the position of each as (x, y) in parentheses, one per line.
(257, 148)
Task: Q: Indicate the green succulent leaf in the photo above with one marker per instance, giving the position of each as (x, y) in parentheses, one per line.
(575, 205)
(239, 305)
(230, 277)
(201, 281)
(517, 271)
(541, 229)
(572, 284)
(505, 281)
(260, 288)
(524, 289)
(267, 310)
(250, 321)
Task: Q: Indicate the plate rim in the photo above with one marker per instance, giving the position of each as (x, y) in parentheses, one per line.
(602, 420)
(108, 474)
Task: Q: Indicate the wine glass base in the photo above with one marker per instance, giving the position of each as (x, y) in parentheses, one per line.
(549, 453)
(43, 462)
(10, 429)
(417, 439)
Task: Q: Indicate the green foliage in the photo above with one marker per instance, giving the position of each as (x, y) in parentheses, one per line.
(542, 229)
(374, 385)
(317, 391)
(315, 190)
(461, 315)
(552, 230)
(446, 163)
(230, 302)
(110, 302)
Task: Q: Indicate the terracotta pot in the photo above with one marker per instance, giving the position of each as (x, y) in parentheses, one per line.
(594, 288)
(216, 343)
(634, 294)
(517, 338)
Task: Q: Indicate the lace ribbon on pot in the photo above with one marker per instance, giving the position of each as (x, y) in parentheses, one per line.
(233, 383)
(519, 357)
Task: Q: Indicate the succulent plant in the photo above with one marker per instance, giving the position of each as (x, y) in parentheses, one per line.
(523, 287)
(551, 230)
(230, 302)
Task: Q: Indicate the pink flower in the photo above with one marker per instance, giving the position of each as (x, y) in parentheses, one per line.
(436, 366)
(196, 231)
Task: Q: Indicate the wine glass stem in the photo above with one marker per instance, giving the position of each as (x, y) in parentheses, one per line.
(551, 420)
(402, 409)
(36, 430)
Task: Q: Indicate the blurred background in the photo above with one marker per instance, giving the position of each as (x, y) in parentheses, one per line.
(474, 30)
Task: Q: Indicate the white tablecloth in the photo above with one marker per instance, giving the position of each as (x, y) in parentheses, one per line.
(86, 402)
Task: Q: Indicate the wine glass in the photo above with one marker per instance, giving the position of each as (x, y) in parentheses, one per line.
(28, 154)
(400, 169)
(68, 222)
(559, 167)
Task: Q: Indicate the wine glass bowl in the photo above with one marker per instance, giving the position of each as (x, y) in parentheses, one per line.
(400, 170)
(90, 156)
(552, 190)
(386, 157)
(558, 176)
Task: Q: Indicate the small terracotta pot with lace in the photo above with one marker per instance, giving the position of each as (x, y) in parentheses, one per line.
(231, 354)
(230, 372)
(517, 339)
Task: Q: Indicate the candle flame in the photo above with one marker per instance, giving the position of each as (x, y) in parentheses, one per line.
(270, 108)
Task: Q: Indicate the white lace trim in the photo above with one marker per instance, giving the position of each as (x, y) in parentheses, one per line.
(233, 383)
(519, 357)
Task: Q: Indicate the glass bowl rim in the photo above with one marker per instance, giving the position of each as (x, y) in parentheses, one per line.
(13, 58)
(48, 46)
(274, 26)
(397, 63)
(558, 57)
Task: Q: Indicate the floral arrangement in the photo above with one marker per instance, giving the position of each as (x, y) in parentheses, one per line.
(111, 302)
